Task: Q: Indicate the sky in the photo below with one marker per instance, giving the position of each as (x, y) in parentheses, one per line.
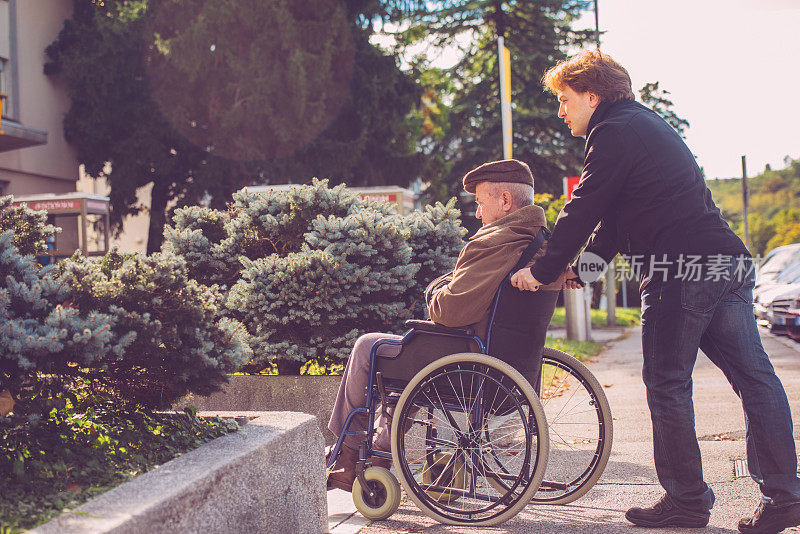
(732, 69)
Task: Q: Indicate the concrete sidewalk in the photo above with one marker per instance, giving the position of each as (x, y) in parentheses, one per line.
(630, 478)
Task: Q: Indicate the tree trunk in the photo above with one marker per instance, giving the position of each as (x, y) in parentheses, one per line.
(158, 215)
(288, 367)
(499, 19)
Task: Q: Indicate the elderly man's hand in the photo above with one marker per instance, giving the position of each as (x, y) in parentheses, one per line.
(524, 280)
(571, 281)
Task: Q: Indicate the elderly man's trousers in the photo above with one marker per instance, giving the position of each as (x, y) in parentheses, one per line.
(353, 392)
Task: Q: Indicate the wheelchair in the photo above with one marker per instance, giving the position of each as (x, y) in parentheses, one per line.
(481, 426)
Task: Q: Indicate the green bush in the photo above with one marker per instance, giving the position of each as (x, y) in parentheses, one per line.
(134, 325)
(180, 342)
(309, 269)
(40, 329)
(436, 238)
(81, 447)
(551, 205)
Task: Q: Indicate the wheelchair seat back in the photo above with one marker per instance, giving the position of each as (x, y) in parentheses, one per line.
(518, 330)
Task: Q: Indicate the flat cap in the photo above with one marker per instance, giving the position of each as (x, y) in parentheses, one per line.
(506, 170)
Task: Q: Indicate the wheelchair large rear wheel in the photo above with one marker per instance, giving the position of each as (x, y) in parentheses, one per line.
(464, 422)
(580, 427)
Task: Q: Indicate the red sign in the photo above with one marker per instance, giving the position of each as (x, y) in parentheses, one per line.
(378, 197)
(51, 205)
(570, 183)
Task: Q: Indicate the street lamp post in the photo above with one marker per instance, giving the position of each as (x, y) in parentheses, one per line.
(3, 97)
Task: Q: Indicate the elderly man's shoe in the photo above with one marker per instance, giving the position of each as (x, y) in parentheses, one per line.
(667, 513)
(771, 518)
(344, 470)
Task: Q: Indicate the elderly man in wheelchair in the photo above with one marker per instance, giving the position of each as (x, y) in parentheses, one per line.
(454, 404)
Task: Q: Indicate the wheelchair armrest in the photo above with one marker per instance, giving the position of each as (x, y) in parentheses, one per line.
(435, 328)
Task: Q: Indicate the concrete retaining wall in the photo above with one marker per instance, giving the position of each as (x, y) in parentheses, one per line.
(267, 477)
(306, 394)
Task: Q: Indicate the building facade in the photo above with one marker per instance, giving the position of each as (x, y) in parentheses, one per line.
(34, 155)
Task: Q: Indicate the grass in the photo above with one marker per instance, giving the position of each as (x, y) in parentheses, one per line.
(625, 317)
(581, 350)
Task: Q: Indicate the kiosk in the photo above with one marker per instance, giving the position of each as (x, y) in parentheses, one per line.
(83, 218)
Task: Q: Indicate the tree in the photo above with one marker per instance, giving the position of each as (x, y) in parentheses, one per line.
(115, 125)
(199, 98)
(787, 229)
(761, 230)
(774, 205)
(537, 35)
(657, 99)
(374, 138)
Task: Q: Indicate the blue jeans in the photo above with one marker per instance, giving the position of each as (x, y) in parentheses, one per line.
(678, 316)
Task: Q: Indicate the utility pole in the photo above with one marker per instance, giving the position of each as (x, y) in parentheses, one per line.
(596, 26)
(611, 295)
(745, 202)
(504, 66)
(505, 96)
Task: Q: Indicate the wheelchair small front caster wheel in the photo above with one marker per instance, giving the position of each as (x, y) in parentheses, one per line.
(381, 497)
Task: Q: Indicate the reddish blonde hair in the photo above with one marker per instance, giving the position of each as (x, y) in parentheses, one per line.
(593, 72)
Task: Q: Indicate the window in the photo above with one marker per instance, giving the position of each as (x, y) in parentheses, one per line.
(4, 89)
(6, 35)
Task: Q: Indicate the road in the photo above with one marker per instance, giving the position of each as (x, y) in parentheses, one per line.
(630, 479)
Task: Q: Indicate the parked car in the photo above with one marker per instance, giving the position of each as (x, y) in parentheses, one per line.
(777, 287)
(793, 320)
(774, 305)
(776, 261)
(776, 282)
(772, 301)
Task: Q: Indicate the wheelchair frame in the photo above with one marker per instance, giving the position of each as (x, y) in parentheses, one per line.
(377, 392)
(376, 389)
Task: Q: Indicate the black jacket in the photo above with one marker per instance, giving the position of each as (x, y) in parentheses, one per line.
(642, 185)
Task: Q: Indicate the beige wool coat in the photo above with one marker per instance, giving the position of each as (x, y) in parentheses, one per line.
(482, 265)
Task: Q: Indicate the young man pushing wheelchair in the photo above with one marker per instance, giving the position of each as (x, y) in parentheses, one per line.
(642, 194)
(510, 221)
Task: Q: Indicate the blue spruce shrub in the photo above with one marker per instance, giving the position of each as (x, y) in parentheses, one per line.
(41, 329)
(138, 326)
(338, 267)
(181, 340)
(315, 267)
(436, 237)
(200, 236)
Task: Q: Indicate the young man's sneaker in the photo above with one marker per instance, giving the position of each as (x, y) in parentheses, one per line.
(667, 513)
(771, 518)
